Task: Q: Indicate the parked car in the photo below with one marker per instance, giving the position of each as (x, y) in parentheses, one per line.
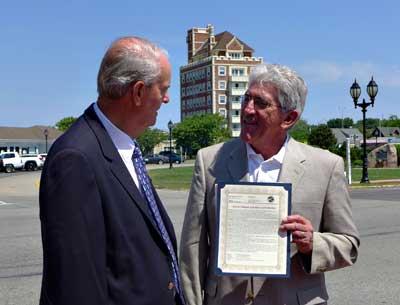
(10, 161)
(155, 159)
(175, 157)
(42, 157)
(32, 161)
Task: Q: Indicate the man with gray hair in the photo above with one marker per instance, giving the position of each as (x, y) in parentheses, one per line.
(324, 236)
(107, 238)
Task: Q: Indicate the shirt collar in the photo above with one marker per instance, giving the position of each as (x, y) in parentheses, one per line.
(123, 142)
(251, 154)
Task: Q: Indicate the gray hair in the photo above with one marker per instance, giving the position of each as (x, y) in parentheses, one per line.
(291, 87)
(128, 60)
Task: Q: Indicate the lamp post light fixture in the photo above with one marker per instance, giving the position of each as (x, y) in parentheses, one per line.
(46, 134)
(355, 92)
(170, 124)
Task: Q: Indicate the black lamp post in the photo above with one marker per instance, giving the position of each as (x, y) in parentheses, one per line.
(355, 92)
(46, 134)
(170, 124)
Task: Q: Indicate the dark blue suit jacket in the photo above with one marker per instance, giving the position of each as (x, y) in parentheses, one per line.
(100, 243)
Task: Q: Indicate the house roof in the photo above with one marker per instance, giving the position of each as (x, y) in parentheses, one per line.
(342, 133)
(387, 131)
(224, 38)
(221, 42)
(34, 132)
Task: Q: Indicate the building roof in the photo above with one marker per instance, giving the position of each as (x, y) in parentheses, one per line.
(386, 131)
(342, 133)
(224, 38)
(221, 42)
(34, 132)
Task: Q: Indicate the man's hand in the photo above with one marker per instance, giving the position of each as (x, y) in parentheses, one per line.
(302, 232)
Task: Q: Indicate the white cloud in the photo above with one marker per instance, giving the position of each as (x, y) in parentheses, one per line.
(331, 72)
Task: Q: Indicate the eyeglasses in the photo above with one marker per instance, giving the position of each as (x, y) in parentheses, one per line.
(259, 103)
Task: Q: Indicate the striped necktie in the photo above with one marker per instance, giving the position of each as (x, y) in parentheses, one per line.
(147, 192)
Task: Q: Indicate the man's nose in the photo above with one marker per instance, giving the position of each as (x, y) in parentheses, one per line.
(249, 107)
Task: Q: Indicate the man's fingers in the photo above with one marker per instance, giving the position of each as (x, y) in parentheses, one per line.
(294, 227)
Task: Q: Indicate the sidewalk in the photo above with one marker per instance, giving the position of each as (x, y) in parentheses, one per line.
(376, 183)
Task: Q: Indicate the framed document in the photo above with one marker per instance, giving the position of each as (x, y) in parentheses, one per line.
(249, 241)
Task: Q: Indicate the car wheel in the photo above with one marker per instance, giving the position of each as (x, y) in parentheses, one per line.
(9, 168)
(161, 162)
(30, 166)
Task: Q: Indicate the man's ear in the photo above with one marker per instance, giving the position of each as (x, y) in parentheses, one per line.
(137, 92)
(290, 119)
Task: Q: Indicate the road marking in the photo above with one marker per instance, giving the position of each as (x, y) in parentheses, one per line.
(5, 203)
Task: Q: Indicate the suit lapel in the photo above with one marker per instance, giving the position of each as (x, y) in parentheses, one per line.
(293, 164)
(117, 166)
(238, 164)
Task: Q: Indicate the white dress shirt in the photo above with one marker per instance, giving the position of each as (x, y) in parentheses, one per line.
(261, 170)
(122, 142)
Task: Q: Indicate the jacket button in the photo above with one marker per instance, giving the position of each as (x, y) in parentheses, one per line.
(171, 286)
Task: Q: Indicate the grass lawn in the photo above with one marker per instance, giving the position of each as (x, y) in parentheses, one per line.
(180, 178)
(376, 174)
(177, 178)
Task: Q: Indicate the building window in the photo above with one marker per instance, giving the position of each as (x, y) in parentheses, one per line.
(222, 85)
(221, 71)
(208, 86)
(237, 72)
(183, 78)
(235, 55)
(222, 99)
(222, 112)
(235, 127)
(208, 99)
(183, 91)
(208, 72)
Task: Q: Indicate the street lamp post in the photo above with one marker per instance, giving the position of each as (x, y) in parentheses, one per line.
(355, 92)
(170, 124)
(46, 134)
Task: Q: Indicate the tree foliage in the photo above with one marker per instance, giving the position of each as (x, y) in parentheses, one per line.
(150, 138)
(340, 123)
(392, 121)
(370, 123)
(65, 123)
(322, 136)
(300, 131)
(200, 131)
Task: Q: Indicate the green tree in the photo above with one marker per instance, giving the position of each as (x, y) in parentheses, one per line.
(348, 122)
(199, 131)
(370, 123)
(339, 123)
(334, 123)
(150, 138)
(323, 137)
(65, 123)
(392, 121)
(300, 131)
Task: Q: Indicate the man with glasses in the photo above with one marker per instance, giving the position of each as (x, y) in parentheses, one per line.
(324, 236)
(107, 238)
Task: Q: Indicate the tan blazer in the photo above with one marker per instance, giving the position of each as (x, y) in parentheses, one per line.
(319, 194)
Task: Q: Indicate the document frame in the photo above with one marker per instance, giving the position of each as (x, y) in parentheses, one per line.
(238, 205)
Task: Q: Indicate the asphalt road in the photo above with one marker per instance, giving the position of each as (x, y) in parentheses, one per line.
(374, 279)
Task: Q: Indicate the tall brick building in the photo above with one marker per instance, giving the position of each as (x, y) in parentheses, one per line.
(216, 75)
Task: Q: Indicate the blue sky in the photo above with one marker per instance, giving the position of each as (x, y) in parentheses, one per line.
(50, 51)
